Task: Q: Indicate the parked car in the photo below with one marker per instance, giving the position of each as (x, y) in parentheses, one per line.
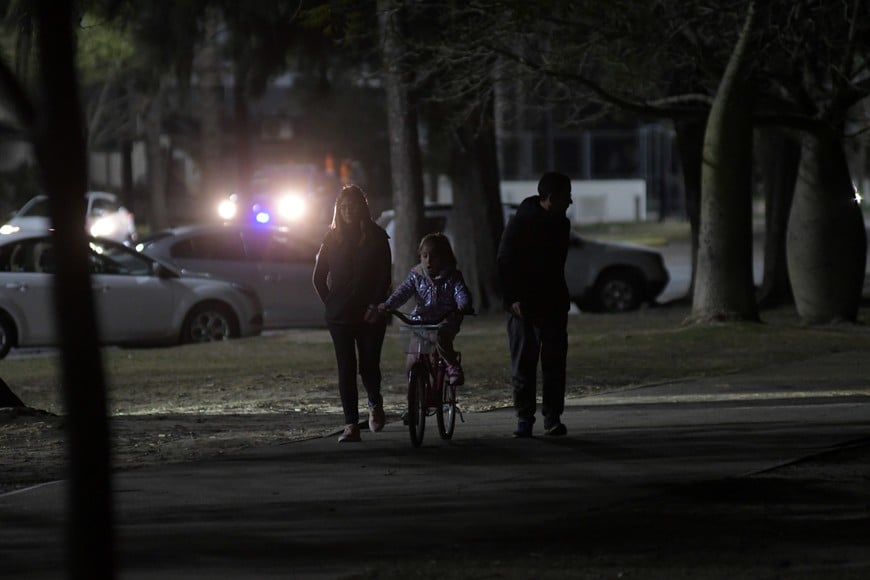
(276, 262)
(105, 217)
(601, 276)
(138, 300)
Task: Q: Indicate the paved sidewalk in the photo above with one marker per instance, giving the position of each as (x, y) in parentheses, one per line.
(760, 474)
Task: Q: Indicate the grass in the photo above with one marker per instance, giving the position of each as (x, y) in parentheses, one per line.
(295, 369)
(197, 401)
(646, 233)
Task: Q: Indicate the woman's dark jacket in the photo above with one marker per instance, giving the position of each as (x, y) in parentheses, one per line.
(352, 273)
(531, 260)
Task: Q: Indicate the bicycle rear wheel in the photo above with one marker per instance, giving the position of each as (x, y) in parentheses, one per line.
(418, 380)
(446, 411)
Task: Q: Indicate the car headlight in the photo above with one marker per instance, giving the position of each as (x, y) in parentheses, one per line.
(291, 206)
(7, 229)
(103, 228)
(228, 208)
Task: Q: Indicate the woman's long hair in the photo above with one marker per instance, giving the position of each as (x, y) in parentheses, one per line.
(339, 228)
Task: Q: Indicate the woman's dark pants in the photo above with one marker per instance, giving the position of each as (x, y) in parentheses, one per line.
(365, 340)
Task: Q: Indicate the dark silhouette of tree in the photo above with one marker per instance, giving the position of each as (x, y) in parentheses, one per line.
(164, 36)
(422, 89)
(477, 216)
(457, 92)
(60, 151)
(778, 155)
(402, 119)
(8, 398)
(723, 281)
(825, 73)
(261, 36)
(559, 54)
(53, 117)
(806, 68)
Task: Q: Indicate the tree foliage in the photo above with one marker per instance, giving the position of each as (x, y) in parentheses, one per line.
(808, 67)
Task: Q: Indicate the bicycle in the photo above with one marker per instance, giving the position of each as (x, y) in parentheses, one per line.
(428, 390)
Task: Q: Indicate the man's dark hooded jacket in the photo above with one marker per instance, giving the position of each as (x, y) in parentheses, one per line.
(531, 260)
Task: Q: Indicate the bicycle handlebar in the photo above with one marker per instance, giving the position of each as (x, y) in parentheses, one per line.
(412, 322)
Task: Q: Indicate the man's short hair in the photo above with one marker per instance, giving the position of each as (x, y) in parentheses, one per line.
(553, 182)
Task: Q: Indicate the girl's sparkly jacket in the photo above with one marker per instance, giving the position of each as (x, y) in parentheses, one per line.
(435, 296)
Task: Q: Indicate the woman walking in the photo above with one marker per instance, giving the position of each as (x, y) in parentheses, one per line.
(352, 272)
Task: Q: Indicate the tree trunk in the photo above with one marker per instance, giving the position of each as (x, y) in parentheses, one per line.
(8, 398)
(724, 288)
(405, 165)
(690, 141)
(244, 157)
(127, 193)
(778, 157)
(60, 151)
(477, 214)
(826, 243)
(210, 110)
(157, 167)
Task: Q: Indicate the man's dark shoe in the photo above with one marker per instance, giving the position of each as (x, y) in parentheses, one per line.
(524, 428)
(557, 430)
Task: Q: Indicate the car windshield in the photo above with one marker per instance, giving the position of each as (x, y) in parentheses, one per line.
(108, 258)
(102, 206)
(99, 205)
(222, 245)
(38, 207)
(277, 247)
(152, 238)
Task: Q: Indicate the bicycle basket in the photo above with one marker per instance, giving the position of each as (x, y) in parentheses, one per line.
(421, 340)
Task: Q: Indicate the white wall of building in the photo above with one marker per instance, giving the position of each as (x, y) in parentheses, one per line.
(595, 200)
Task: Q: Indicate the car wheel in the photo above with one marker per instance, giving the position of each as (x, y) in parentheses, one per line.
(210, 322)
(7, 335)
(618, 291)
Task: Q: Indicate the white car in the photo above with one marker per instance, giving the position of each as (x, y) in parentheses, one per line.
(105, 217)
(276, 262)
(138, 300)
(601, 276)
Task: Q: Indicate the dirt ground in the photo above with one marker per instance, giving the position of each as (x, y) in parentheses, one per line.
(33, 440)
(202, 401)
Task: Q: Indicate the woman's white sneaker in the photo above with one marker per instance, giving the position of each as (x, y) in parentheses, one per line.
(350, 434)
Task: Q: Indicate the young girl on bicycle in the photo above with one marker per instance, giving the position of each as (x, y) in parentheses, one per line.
(439, 289)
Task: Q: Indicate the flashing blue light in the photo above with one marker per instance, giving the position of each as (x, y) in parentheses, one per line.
(263, 217)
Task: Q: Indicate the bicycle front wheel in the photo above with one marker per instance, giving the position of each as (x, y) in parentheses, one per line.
(446, 411)
(418, 380)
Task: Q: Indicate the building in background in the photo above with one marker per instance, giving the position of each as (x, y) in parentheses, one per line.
(591, 148)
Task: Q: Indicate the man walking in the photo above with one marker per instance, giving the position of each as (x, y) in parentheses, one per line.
(531, 265)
